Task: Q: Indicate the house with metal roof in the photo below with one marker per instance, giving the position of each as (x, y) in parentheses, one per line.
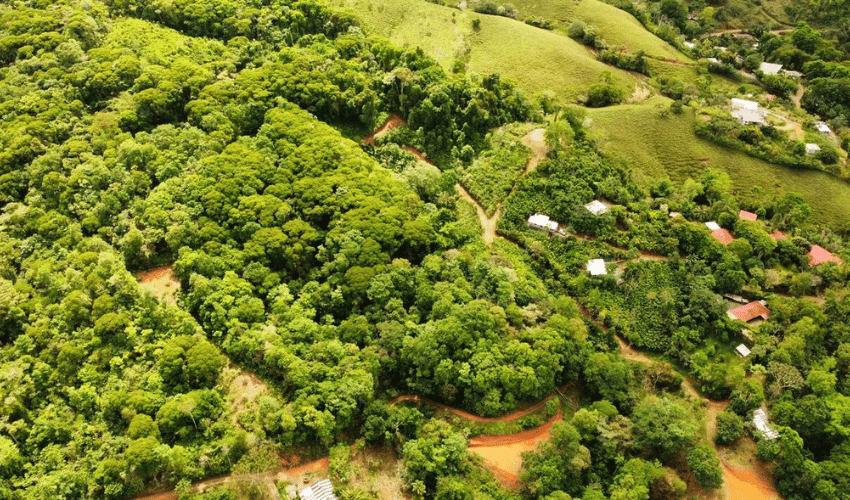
(818, 255)
(596, 207)
(744, 215)
(540, 221)
(596, 267)
(763, 425)
(321, 490)
(750, 312)
(770, 68)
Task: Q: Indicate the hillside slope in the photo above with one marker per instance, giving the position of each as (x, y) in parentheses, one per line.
(660, 147)
(538, 60)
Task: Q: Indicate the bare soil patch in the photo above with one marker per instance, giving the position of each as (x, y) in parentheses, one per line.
(394, 121)
(161, 282)
(503, 454)
(488, 224)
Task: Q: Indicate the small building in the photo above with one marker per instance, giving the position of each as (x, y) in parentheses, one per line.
(723, 236)
(735, 298)
(596, 267)
(823, 128)
(321, 490)
(818, 255)
(750, 312)
(792, 74)
(689, 45)
(712, 225)
(742, 351)
(778, 235)
(744, 104)
(540, 221)
(770, 68)
(762, 424)
(744, 215)
(675, 214)
(714, 60)
(812, 148)
(748, 117)
(596, 207)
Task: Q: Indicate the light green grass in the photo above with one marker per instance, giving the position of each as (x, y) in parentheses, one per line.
(537, 60)
(617, 27)
(659, 147)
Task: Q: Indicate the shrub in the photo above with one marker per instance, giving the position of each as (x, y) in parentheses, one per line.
(729, 428)
(706, 466)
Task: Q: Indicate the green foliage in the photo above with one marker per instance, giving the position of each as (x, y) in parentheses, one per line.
(705, 465)
(604, 93)
(664, 426)
(729, 428)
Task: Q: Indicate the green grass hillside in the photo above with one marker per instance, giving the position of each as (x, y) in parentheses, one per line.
(538, 60)
(666, 146)
(617, 27)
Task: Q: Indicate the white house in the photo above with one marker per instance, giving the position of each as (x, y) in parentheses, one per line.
(596, 207)
(763, 425)
(770, 68)
(540, 221)
(712, 225)
(713, 60)
(812, 149)
(596, 267)
(689, 45)
(823, 128)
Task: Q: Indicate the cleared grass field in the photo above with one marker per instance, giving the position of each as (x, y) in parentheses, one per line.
(537, 60)
(617, 27)
(659, 147)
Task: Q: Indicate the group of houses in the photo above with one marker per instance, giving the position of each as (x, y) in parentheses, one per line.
(817, 255)
(750, 113)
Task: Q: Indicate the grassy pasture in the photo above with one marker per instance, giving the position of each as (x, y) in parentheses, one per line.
(617, 27)
(659, 147)
(537, 60)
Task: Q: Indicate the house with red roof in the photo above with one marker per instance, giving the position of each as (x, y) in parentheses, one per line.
(744, 215)
(818, 255)
(778, 235)
(750, 312)
(723, 236)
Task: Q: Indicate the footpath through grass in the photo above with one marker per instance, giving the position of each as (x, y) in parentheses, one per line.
(537, 60)
(658, 147)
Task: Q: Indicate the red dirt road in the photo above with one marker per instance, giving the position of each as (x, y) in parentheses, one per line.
(394, 121)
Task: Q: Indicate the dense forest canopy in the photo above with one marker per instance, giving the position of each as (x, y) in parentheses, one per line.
(216, 137)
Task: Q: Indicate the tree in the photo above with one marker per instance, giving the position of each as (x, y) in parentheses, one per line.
(705, 465)
(663, 426)
(729, 428)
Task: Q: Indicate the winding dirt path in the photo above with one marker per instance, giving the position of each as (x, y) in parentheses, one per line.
(393, 121)
(488, 224)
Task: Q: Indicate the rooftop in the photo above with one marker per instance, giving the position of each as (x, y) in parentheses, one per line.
(818, 255)
(744, 215)
(712, 225)
(543, 222)
(749, 312)
(596, 267)
(321, 490)
(742, 351)
(744, 104)
(770, 69)
(723, 236)
(596, 207)
(822, 127)
(762, 424)
(812, 148)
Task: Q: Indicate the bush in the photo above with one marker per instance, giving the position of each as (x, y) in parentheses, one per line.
(576, 29)
(706, 466)
(729, 428)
